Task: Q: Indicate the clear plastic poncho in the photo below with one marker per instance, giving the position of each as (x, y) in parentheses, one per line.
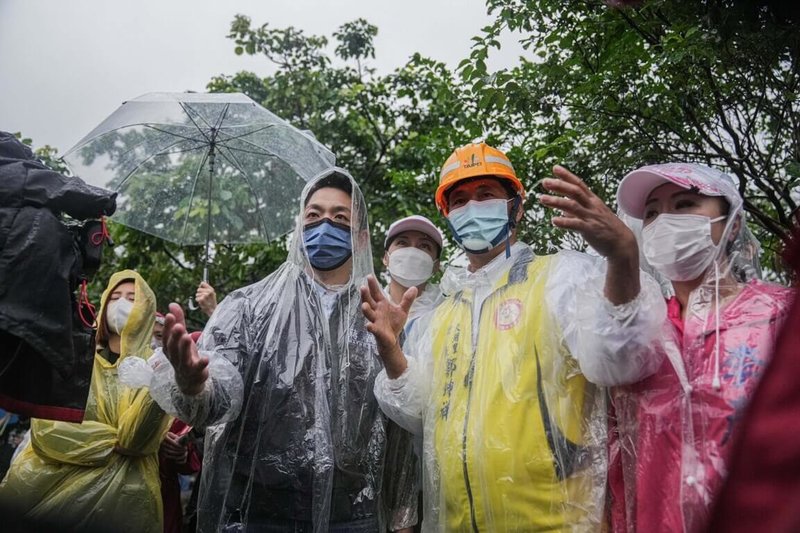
(502, 382)
(74, 476)
(672, 432)
(309, 442)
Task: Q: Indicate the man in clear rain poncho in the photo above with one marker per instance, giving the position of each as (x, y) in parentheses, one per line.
(501, 379)
(299, 442)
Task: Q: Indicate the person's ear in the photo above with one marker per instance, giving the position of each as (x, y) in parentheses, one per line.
(735, 228)
(386, 259)
(436, 266)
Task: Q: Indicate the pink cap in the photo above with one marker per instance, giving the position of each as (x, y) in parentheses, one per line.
(159, 318)
(414, 223)
(636, 186)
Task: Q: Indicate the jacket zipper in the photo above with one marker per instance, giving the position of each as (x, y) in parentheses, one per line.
(470, 374)
(464, 445)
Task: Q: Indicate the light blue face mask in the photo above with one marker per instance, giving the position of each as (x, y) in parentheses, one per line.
(327, 244)
(480, 226)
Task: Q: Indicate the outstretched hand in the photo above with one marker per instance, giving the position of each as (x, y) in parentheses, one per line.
(584, 212)
(191, 370)
(385, 321)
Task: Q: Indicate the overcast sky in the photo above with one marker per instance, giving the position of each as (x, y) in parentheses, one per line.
(66, 64)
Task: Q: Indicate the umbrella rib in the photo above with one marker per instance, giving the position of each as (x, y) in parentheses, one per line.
(233, 138)
(232, 149)
(191, 197)
(222, 116)
(183, 106)
(238, 166)
(142, 162)
(194, 139)
(273, 154)
(254, 145)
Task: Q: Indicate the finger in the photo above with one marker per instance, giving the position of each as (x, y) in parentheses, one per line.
(566, 205)
(203, 285)
(366, 298)
(177, 311)
(188, 351)
(369, 312)
(408, 298)
(171, 343)
(574, 224)
(375, 290)
(566, 176)
(569, 190)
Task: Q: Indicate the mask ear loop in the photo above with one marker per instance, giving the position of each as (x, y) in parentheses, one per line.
(716, 382)
(512, 223)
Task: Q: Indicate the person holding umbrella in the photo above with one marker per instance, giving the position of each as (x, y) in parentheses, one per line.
(298, 441)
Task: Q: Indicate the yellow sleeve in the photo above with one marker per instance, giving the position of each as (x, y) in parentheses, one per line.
(87, 444)
(142, 424)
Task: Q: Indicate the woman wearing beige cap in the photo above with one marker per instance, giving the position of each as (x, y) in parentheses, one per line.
(413, 247)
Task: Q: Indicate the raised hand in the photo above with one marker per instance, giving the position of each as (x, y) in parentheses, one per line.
(584, 212)
(385, 321)
(191, 370)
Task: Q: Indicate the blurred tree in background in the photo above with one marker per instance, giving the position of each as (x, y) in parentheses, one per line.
(606, 90)
(602, 91)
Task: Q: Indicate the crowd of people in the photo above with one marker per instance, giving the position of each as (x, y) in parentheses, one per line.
(525, 392)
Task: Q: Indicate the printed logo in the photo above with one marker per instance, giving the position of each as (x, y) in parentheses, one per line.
(508, 314)
(473, 162)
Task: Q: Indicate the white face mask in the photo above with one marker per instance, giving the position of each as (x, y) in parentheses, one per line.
(117, 314)
(410, 266)
(680, 246)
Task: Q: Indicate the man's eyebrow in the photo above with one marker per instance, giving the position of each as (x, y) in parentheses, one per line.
(336, 209)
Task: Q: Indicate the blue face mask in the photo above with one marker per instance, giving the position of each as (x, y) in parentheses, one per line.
(480, 226)
(327, 244)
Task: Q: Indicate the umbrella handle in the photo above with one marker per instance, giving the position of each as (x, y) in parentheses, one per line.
(191, 305)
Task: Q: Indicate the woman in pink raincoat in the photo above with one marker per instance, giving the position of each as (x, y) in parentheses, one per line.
(672, 432)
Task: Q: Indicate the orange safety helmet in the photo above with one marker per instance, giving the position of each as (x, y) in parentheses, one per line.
(472, 161)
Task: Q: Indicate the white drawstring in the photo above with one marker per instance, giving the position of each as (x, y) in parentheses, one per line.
(716, 382)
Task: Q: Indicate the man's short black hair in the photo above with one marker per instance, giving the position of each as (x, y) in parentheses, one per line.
(509, 188)
(335, 180)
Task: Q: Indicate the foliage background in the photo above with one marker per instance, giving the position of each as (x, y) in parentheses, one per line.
(604, 90)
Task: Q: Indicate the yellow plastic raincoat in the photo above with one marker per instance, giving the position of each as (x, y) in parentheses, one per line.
(101, 474)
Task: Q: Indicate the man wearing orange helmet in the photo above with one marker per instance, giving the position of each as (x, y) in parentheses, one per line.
(501, 379)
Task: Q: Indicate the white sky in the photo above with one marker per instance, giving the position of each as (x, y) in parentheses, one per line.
(67, 64)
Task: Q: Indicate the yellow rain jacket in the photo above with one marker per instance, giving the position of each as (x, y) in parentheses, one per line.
(511, 410)
(514, 429)
(73, 475)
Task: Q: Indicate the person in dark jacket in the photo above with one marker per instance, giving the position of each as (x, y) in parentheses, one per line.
(298, 442)
(47, 352)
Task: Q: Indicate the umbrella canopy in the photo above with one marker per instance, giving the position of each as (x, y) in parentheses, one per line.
(191, 167)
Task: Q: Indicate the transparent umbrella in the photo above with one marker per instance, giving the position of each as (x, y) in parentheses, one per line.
(193, 168)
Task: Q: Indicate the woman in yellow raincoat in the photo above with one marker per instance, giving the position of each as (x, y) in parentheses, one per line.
(101, 474)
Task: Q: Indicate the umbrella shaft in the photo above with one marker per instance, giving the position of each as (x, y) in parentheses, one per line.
(211, 158)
